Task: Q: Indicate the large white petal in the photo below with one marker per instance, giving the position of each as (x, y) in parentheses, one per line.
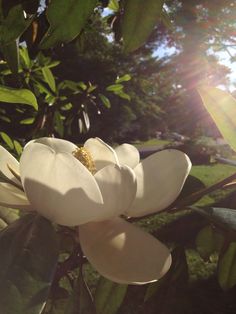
(58, 145)
(58, 186)
(160, 178)
(118, 187)
(127, 155)
(102, 154)
(13, 197)
(124, 253)
(6, 161)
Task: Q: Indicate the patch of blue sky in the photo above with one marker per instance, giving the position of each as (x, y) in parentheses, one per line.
(164, 51)
(228, 59)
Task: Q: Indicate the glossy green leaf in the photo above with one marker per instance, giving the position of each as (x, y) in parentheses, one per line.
(66, 19)
(123, 95)
(105, 100)
(25, 59)
(82, 85)
(91, 88)
(42, 87)
(49, 78)
(27, 121)
(222, 108)
(227, 267)
(18, 96)
(208, 241)
(115, 88)
(11, 55)
(81, 301)
(109, 296)
(113, 5)
(18, 147)
(124, 78)
(26, 267)
(53, 64)
(139, 21)
(7, 140)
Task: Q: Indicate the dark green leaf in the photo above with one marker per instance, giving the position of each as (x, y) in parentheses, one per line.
(55, 306)
(222, 108)
(5, 119)
(18, 96)
(66, 18)
(191, 185)
(177, 275)
(208, 241)
(81, 301)
(109, 296)
(49, 78)
(11, 55)
(58, 123)
(7, 140)
(227, 267)
(138, 21)
(224, 216)
(69, 84)
(26, 267)
(105, 100)
(13, 25)
(123, 78)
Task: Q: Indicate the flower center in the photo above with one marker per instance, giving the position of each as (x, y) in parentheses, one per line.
(84, 156)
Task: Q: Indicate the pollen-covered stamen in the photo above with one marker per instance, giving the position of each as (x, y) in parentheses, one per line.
(84, 156)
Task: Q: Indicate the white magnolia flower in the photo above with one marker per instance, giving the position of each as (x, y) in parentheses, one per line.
(91, 187)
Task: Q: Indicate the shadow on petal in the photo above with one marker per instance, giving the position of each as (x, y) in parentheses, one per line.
(72, 208)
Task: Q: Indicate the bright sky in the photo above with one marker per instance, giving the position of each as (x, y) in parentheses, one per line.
(223, 56)
(225, 59)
